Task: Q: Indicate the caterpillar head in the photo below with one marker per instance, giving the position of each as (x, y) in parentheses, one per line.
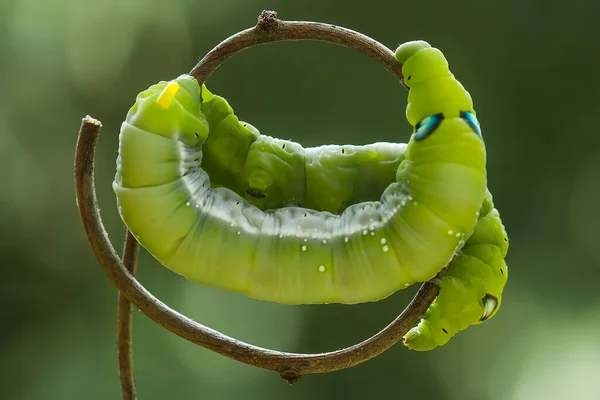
(405, 52)
(433, 88)
(171, 109)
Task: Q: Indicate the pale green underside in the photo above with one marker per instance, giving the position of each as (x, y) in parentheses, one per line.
(214, 236)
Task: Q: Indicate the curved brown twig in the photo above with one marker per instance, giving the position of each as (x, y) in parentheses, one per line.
(291, 366)
(271, 29)
(131, 250)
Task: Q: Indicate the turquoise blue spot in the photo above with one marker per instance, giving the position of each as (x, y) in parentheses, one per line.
(427, 126)
(471, 119)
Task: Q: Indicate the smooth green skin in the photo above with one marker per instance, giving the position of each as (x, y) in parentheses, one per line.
(294, 255)
(474, 275)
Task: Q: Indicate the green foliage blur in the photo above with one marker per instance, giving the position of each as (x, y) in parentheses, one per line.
(532, 69)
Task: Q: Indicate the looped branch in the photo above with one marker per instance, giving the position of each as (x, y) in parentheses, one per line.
(291, 366)
(270, 29)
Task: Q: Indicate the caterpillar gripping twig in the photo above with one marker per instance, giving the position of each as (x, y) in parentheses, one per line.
(209, 195)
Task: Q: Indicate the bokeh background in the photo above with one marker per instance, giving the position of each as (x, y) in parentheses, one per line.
(532, 69)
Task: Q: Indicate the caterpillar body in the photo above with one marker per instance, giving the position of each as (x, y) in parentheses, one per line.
(231, 228)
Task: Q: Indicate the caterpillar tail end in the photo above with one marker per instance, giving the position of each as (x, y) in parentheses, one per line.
(168, 94)
(414, 340)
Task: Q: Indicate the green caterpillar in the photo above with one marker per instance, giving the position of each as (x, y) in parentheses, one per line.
(217, 202)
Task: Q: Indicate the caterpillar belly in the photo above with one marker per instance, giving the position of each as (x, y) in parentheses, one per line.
(209, 231)
(471, 290)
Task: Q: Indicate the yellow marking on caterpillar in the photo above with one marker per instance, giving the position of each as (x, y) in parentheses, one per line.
(168, 94)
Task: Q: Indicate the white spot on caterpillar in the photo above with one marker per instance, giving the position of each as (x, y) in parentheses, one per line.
(410, 198)
(304, 247)
(187, 204)
(365, 232)
(383, 240)
(198, 205)
(346, 239)
(239, 233)
(458, 234)
(281, 236)
(477, 214)
(403, 202)
(373, 233)
(416, 203)
(305, 240)
(231, 225)
(450, 232)
(324, 241)
(385, 248)
(321, 268)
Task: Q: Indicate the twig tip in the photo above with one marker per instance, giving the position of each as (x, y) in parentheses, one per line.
(89, 120)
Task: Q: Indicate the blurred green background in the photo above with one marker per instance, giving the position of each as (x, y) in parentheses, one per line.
(532, 68)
